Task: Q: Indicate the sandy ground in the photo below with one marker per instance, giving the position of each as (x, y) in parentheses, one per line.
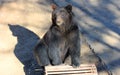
(99, 21)
(34, 15)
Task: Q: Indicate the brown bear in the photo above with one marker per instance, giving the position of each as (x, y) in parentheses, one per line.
(61, 40)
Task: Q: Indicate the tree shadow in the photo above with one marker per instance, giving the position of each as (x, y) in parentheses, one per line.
(27, 40)
(110, 66)
(105, 19)
(97, 15)
(114, 64)
(101, 15)
(2, 2)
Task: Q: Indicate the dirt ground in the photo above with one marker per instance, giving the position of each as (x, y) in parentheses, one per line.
(99, 23)
(30, 15)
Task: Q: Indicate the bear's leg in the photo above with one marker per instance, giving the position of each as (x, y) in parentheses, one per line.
(75, 56)
(41, 54)
(55, 56)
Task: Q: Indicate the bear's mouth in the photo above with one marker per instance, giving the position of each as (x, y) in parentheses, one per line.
(59, 23)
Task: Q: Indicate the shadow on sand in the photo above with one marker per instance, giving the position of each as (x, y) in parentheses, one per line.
(27, 40)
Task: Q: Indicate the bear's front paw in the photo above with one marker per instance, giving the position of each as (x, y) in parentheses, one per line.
(76, 65)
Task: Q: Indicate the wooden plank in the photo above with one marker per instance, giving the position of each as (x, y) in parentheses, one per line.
(83, 69)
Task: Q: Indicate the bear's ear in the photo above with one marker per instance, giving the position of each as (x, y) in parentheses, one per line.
(68, 8)
(54, 6)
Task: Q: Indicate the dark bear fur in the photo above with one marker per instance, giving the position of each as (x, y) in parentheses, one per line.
(61, 40)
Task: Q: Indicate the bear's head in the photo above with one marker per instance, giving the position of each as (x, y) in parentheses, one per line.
(61, 15)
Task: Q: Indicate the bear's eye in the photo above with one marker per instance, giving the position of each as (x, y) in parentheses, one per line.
(63, 15)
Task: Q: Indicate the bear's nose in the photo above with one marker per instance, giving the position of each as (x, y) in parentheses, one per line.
(58, 21)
